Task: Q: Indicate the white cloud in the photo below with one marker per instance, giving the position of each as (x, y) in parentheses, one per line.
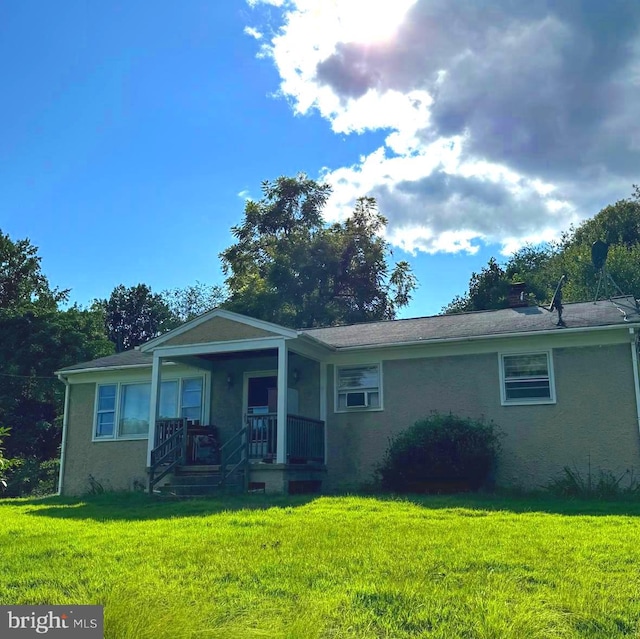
(253, 33)
(506, 122)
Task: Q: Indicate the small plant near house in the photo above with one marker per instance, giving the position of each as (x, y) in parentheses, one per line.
(604, 485)
(32, 477)
(5, 464)
(443, 453)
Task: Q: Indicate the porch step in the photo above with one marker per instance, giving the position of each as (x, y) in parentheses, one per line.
(187, 482)
(200, 489)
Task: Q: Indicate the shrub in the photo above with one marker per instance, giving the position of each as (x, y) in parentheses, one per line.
(5, 464)
(443, 453)
(32, 477)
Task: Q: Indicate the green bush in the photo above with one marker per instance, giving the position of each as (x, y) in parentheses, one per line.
(443, 453)
(32, 477)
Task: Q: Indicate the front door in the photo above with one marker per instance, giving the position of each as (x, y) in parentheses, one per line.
(261, 410)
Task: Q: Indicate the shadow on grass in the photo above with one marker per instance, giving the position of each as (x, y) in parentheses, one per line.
(140, 507)
(521, 504)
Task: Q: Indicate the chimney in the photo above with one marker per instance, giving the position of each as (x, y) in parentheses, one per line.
(517, 297)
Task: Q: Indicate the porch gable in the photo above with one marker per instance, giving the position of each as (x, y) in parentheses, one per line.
(218, 326)
(218, 329)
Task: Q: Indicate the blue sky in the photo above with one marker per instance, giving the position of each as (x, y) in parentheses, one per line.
(130, 132)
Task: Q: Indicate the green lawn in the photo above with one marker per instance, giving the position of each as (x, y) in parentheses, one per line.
(330, 567)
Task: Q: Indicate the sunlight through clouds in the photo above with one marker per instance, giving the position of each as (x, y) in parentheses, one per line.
(497, 125)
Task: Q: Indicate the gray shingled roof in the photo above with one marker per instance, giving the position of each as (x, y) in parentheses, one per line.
(128, 358)
(481, 323)
(621, 311)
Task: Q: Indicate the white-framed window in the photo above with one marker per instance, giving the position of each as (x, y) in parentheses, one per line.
(122, 409)
(358, 387)
(527, 378)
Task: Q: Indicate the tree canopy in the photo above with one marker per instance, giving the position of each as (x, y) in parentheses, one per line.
(37, 338)
(186, 303)
(134, 315)
(541, 267)
(288, 266)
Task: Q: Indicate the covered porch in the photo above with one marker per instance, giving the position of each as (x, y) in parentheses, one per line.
(263, 411)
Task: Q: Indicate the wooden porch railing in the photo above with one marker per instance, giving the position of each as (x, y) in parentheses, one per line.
(305, 438)
(262, 436)
(170, 449)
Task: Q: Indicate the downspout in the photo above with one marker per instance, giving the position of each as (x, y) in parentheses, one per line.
(636, 381)
(65, 424)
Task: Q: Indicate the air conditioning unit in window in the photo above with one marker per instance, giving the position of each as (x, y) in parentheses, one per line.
(357, 400)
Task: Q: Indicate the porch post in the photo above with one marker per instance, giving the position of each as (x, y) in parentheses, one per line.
(323, 403)
(283, 382)
(156, 384)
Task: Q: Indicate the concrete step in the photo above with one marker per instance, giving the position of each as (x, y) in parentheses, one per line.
(199, 490)
(193, 470)
(196, 480)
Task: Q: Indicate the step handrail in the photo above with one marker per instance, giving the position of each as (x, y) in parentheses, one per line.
(242, 440)
(172, 451)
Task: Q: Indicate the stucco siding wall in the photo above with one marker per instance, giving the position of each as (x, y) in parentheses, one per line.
(116, 465)
(594, 420)
(308, 384)
(217, 329)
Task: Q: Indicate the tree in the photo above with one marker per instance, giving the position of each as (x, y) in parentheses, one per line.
(287, 266)
(487, 289)
(133, 315)
(22, 285)
(36, 339)
(189, 302)
(32, 348)
(541, 267)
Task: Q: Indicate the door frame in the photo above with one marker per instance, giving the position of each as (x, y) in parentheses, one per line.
(245, 388)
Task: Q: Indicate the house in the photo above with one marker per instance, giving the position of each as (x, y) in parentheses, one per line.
(314, 409)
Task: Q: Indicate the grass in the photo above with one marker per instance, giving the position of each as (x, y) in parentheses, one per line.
(334, 567)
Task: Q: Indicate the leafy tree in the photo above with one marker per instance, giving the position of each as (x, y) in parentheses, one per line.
(22, 284)
(32, 348)
(541, 267)
(287, 266)
(189, 302)
(133, 315)
(487, 289)
(36, 339)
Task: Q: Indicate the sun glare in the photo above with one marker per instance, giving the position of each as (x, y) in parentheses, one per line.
(367, 21)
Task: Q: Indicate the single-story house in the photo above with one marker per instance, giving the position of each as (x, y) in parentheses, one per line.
(314, 408)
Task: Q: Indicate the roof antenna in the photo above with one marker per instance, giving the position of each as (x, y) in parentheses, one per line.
(556, 302)
(599, 252)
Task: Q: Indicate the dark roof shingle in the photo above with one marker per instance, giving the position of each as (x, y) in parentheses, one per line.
(477, 324)
(127, 358)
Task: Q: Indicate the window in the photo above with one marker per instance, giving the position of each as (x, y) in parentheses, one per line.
(122, 410)
(527, 378)
(134, 410)
(358, 388)
(191, 403)
(106, 410)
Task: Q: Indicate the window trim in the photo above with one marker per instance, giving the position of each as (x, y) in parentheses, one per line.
(357, 409)
(531, 401)
(132, 382)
